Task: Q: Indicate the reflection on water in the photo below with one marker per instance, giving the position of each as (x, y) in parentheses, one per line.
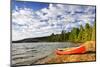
(29, 53)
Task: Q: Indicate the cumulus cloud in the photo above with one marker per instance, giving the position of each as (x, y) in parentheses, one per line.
(28, 23)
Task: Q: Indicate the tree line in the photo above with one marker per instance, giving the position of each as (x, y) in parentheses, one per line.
(81, 34)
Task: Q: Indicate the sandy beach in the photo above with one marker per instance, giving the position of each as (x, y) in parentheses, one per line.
(89, 55)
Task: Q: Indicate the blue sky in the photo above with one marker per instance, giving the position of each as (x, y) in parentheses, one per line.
(22, 4)
(37, 19)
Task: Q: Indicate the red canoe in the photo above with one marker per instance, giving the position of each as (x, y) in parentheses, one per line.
(75, 50)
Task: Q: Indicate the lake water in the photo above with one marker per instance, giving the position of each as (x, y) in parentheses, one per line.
(29, 53)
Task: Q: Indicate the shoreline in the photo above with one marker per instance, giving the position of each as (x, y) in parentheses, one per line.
(53, 58)
(90, 55)
(68, 58)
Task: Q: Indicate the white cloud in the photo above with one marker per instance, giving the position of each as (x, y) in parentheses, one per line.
(28, 23)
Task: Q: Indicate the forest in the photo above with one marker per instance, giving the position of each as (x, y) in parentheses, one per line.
(81, 34)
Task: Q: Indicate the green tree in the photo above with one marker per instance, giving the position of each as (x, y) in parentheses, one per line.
(74, 34)
(88, 32)
(81, 34)
(94, 32)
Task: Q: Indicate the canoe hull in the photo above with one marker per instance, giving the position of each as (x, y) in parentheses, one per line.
(76, 50)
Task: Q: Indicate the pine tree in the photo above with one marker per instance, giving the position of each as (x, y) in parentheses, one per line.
(94, 32)
(88, 32)
(81, 34)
